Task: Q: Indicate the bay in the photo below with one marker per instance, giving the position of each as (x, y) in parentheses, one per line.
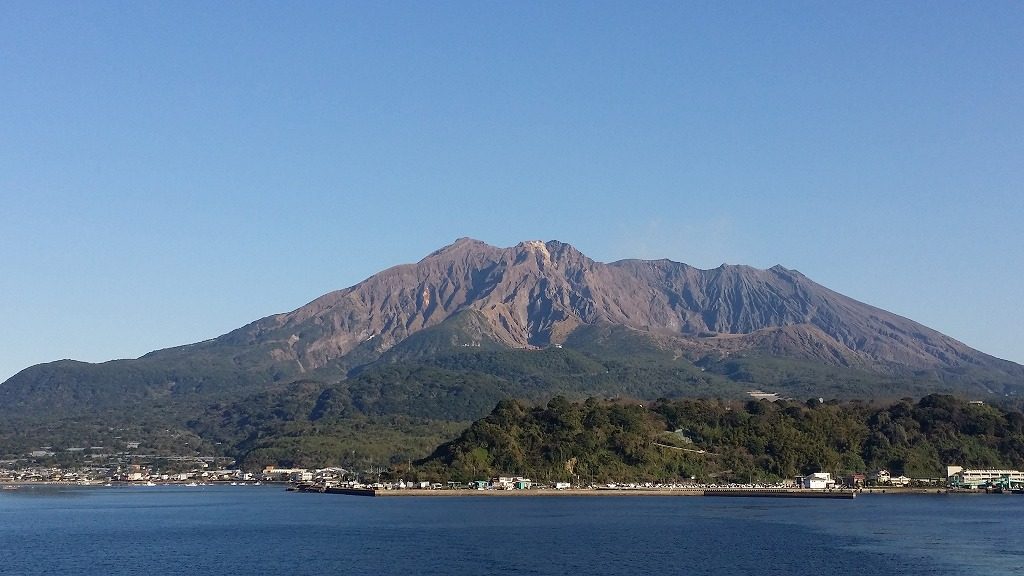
(265, 530)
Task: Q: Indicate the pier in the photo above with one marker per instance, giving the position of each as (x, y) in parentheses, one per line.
(729, 492)
(783, 493)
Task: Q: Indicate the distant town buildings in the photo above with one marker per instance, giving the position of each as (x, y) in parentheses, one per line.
(959, 477)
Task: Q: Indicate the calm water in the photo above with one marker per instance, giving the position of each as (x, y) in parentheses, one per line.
(264, 530)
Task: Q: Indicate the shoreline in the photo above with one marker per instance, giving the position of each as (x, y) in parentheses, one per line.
(643, 492)
(539, 492)
(584, 492)
(120, 484)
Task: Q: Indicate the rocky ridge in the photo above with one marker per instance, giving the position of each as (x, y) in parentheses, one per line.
(536, 294)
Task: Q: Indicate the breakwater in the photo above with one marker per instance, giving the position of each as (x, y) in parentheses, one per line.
(783, 493)
(758, 493)
(337, 490)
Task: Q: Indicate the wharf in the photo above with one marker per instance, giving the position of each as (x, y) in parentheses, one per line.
(335, 490)
(735, 492)
(783, 493)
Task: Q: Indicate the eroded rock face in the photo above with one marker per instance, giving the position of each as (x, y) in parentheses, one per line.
(536, 294)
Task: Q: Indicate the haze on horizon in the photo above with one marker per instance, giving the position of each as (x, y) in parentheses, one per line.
(170, 172)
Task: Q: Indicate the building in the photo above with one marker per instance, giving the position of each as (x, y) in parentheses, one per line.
(272, 474)
(816, 481)
(959, 477)
(900, 480)
(879, 477)
(511, 483)
(855, 480)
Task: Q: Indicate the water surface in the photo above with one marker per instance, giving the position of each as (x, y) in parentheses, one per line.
(265, 530)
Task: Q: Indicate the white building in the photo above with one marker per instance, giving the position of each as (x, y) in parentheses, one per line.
(817, 481)
(958, 476)
(899, 481)
(273, 474)
(511, 483)
(879, 477)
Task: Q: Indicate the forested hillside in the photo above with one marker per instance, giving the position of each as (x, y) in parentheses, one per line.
(715, 440)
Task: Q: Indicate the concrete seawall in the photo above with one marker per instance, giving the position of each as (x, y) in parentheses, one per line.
(596, 492)
(783, 493)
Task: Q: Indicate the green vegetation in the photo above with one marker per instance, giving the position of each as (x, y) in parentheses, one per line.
(716, 440)
(223, 398)
(311, 424)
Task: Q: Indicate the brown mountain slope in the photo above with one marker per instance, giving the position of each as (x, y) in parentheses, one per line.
(536, 294)
(420, 346)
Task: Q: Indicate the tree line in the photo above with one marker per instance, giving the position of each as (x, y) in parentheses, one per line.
(713, 440)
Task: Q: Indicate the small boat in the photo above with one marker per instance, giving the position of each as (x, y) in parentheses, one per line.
(191, 484)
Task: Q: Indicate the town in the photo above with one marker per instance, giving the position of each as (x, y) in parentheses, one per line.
(195, 471)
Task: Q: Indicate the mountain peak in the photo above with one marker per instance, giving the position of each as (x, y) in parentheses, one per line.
(538, 294)
(462, 244)
(536, 247)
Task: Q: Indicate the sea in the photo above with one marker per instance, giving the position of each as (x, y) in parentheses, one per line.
(221, 530)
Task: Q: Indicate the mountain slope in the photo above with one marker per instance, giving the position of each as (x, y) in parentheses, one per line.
(537, 294)
(474, 316)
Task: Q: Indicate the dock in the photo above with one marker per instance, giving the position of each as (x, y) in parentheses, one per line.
(336, 490)
(783, 493)
(728, 492)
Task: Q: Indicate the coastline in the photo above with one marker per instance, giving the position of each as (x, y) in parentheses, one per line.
(539, 492)
(648, 492)
(584, 492)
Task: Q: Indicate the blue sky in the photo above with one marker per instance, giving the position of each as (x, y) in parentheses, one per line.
(172, 171)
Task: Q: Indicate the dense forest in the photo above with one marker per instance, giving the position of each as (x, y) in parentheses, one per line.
(390, 411)
(397, 412)
(718, 440)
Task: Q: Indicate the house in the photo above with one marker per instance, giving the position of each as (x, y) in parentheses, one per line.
(855, 480)
(899, 481)
(502, 482)
(817, 481)
(511, 483)
(879, 477)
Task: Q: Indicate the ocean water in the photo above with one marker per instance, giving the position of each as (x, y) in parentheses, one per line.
(265, 530)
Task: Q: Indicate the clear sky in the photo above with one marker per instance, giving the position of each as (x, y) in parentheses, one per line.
(172, 171)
